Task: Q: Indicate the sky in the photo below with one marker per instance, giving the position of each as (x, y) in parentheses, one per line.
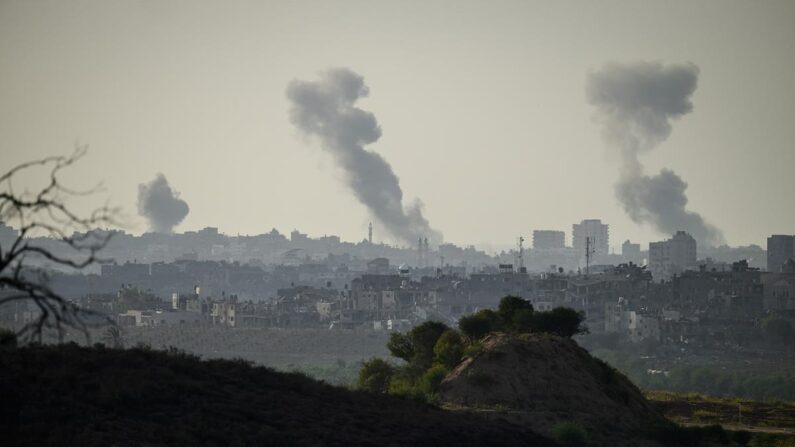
(482, 108)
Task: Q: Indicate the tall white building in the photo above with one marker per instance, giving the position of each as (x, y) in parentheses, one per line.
(598, 233)
(672, 256)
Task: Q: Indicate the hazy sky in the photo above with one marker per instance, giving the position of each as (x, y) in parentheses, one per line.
(482, 107)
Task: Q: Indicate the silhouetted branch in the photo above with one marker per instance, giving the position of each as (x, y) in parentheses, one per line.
(45, 214)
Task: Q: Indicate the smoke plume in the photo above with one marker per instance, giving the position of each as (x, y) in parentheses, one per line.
(636, 104)
(161, 205)
(326, 109)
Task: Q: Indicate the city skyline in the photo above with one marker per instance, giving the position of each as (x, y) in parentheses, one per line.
(198, 94)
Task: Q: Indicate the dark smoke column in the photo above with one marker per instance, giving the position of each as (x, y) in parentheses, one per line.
(636, 104)
(161, 205)
(326, 109)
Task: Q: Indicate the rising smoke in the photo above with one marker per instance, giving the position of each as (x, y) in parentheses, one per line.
(326, 109)
(161, 205)
(635, 104)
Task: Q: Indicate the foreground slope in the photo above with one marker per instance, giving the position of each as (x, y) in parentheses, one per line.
(543, 380)
(68, 395)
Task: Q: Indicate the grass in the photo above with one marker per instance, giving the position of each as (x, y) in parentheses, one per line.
(692, 408)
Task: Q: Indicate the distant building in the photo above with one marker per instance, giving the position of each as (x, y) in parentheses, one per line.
(630, 251)
(779, 288)
(672, 256)
(780, 248)
(598, 233)
(548, 239)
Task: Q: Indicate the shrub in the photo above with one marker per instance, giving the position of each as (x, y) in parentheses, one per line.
(473, 350)
(429, 384)
(570, 434)
(375, 376)
(449, 349)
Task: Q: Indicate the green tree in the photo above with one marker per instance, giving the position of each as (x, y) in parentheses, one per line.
(562, 321)
(477, 325)
(400, 346)
(449, 349)
(509, 306)
(375, 376)
(523, 320)
(423, 339)
(432, 379)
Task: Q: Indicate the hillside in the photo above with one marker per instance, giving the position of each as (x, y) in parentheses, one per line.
(543, 380)
(68, 395)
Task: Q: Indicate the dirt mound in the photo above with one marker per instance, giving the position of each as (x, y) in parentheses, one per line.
(543, 380)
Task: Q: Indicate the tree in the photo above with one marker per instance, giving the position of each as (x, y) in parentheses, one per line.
(375, 376)
(449, 349)
(44, 213)
(423, 340)
(562, 321)
(479, 324)
(509, 306)
(400, 346)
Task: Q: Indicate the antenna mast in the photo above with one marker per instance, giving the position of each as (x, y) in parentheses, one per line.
(589, 252)
(520, 259)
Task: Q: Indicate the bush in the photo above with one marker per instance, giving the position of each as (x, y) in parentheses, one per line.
(473, 350)
(375, 376)
(402, 385)
(449, 349)
(570, 434)
(429, 384)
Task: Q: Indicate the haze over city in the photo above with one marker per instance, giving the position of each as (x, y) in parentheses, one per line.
(483, 110)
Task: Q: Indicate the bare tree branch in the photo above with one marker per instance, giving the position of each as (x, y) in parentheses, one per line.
(43, 216)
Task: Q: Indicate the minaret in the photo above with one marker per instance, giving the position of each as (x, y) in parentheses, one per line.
(370, 233)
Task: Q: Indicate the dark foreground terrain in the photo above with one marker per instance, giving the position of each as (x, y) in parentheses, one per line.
(70, 395)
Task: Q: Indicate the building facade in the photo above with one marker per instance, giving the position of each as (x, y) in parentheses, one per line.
(780, 248)
(672, 256)
(548, 239)
(595, 231)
